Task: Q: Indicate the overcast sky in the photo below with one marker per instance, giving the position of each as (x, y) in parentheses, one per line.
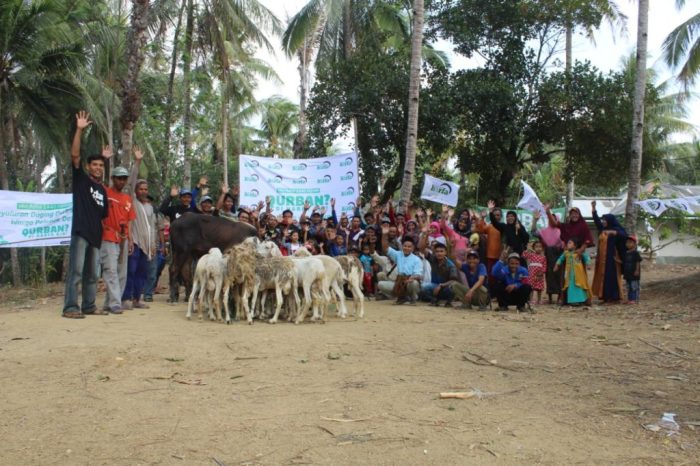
(606, 53)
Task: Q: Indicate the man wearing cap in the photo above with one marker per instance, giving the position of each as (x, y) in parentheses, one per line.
(89, 208)
(174, 210)
(206, 205)
(475, 292)
(511, 289)
(116, 240)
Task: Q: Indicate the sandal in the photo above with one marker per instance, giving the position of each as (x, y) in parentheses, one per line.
(96, 312)
(73, 315)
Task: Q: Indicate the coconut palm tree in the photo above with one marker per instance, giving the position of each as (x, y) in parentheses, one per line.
(36, 85)
(278, 125)
(682, 48)
(634, 183)
(413, 101)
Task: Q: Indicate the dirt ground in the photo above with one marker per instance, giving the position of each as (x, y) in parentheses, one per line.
(558, 387)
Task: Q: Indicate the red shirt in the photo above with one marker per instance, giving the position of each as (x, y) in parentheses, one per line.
(121, 212)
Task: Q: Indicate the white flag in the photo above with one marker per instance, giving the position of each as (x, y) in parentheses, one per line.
(680, 204)
(440, 191)
(530, 201)
(653, 207)
(693, 200)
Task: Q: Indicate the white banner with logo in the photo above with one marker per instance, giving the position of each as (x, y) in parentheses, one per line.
(35, 219)
(656, 207)
(291, 182)
(440, 191)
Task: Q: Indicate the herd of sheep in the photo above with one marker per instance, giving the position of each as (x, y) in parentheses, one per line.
(252, 269)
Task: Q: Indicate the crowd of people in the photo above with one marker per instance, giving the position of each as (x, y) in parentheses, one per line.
(408, 253)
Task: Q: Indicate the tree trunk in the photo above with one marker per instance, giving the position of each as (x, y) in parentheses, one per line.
(569, 164)
(167, 162)
(187, 118)
(304, 55)
(61, 182)
(640, 81)
(224, 127)
(136, 41)
(5, 183)
(413, 101)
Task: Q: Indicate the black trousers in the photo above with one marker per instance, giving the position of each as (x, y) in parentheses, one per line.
(518, 297)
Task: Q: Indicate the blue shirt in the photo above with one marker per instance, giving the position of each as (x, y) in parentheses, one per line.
(367, 262)
(472, 278)
(503, 274)
(406, 265)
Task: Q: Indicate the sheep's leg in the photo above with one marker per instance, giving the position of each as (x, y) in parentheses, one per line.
(249, 311)
(190, 305)
(217, 301)
(358, 296)
(342, 310)
(227, 291)
(306, 305)
(278, 306)
(245, 299)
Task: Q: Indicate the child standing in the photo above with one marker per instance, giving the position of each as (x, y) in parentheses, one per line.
(536, 268)
(367, 265)
(576, 290)
(631, 269)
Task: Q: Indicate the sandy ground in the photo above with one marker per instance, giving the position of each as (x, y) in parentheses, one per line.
(149, 387)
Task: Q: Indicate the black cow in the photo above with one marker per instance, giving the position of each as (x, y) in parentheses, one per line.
(192, 235)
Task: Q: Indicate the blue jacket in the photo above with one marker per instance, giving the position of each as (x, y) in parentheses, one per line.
(502, 273)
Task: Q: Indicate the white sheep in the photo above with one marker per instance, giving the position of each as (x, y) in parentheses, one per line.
(354, 272)
(240, 277)
(334, 279)
(209, 278)
(311, 277)
(278, 273)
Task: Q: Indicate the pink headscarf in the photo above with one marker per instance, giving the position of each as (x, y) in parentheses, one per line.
(438, 230)
(550, 236)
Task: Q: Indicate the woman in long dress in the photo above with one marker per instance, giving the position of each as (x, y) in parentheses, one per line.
(550, 236)
(607, 279)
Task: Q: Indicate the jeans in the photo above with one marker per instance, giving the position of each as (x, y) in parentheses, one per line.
(136, 277)
(114, 258)
(633, 290)
(155, 267)
(83, 264)
(427, 290)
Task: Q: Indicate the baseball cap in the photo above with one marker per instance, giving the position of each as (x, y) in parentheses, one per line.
(185, 192)
(120, 172)
(205, 199)
(473, 253)
(513, 255)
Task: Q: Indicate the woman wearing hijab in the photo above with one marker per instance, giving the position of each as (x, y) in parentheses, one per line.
(607, 281)
(515, 234)
(458, 237)
(550, 237)
(575, 227)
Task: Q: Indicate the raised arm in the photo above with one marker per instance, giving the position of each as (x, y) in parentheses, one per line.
(134, 173)
(82, 121)
(222, 196)
(596, 218)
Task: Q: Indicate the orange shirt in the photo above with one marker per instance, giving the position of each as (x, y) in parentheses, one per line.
(493, 239)
(121, 212)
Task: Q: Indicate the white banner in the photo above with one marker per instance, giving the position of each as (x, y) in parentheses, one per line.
(657, 207)
(35, 219)
(440, 191)
(291, 182)
(531, 201)
(653, 207)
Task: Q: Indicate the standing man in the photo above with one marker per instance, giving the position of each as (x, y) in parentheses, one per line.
(173, 210)
(116, 239)
(144, 236)
(89, 208)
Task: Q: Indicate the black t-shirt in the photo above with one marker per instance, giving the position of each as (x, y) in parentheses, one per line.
(175, 211)
(630, 265)
(89, 207)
